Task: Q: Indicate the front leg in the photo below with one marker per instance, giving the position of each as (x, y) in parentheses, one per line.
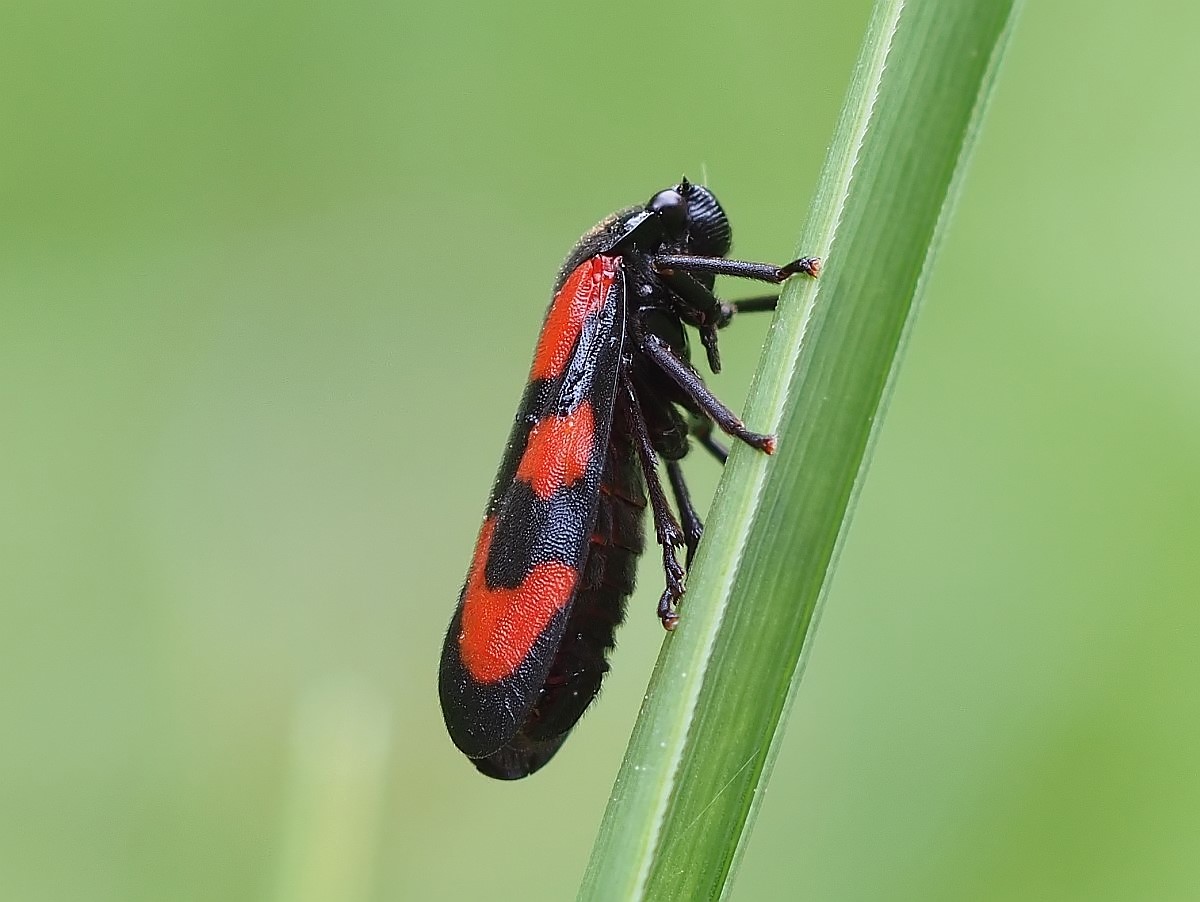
(705, 310)
(742, 269)
(701, 308)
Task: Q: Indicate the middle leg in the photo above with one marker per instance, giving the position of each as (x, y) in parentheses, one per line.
(683, 375)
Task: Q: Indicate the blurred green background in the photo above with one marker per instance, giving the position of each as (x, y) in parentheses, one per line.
(270, 276)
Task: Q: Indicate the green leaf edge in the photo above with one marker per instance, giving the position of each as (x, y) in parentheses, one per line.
(638, 854)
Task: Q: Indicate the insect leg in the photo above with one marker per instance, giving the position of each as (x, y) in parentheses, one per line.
(708, 335)
(710, 309)
(756, 304)
(706, 312)
(709, 306)
(666, 527)
(693, 528)
(689, 380)
(702, 429)
(667, 428)
(742, 269)
(709, 312)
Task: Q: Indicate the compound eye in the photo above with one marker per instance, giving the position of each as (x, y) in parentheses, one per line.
(671, 208)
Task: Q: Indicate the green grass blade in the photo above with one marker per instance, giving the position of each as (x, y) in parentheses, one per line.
(706, 737)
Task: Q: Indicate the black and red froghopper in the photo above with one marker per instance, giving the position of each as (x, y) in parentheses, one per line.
(610, 391)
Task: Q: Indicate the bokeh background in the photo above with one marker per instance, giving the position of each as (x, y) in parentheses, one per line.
(270, 275)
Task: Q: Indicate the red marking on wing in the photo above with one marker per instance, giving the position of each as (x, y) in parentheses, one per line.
(499, 626)
(558, 450)
(584, 292)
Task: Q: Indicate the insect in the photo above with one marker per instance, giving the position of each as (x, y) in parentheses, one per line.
(611, 391)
